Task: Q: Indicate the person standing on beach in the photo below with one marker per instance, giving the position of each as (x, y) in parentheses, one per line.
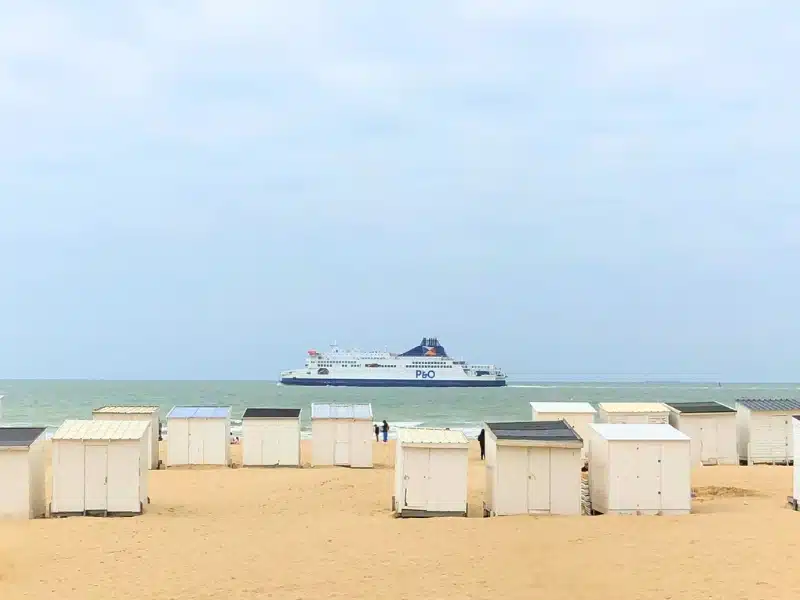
(385, 429)
(377, 432)
(482, 442)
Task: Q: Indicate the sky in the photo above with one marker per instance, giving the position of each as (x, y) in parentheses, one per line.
(570, 190)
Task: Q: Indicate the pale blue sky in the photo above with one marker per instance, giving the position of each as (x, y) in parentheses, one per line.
(205, 189)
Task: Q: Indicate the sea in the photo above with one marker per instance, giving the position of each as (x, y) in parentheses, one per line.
(49, 402)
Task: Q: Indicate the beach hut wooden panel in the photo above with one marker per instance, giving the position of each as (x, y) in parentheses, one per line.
(22, 473)
(199, 435)
(633, 412)
(100, 467)
(135, 413)
(430, 473)
(712, 428)
(640, 468)
(341, 434)
(271, 437)
(796, 467)
(765, 429)
(577, 414)
(533, 467)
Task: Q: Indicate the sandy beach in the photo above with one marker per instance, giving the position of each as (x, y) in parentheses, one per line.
(328, 533)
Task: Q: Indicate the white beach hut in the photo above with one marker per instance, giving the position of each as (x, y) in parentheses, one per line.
(633, 412)
(640, 468)
(430, 473)
(100, 467)
(765, 430)
(533, 467)
(199, 435)
(341, 434)
(712, 429)
(577, 414)
(795, 499)
(22, 473)
(135, 413)
(271, 437)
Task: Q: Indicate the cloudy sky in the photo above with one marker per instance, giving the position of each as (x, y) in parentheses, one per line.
(572, 189)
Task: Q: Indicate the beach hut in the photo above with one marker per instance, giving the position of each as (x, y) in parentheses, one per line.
(765, 430)
(430, 473)
(22, 472)
(712, 429)
(639, 468)
(271, 437)
(533, 467)
(135, 413)
(199, 435)
(341, 434)
(100, 468)
(795, 499)
(633, 412)
(577, 414)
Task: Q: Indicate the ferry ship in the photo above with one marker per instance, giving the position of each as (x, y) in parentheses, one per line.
(425, 365)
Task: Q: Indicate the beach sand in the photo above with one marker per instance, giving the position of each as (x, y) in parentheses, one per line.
(328, 533)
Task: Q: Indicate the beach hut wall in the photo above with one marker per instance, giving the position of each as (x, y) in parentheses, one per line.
(22, 472)
(632, 412)
(100, 467)
(341, 434)
(271, 437)
(642, 468)
(533, 467)
(765, 430)
(796, 461)
(199, 435)
(135, 413)
(577, 414)
(712, 428)
(430, 473)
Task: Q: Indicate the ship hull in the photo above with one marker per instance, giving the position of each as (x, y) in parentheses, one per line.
(423, 383)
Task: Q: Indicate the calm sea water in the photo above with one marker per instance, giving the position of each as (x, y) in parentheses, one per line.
(48, 402)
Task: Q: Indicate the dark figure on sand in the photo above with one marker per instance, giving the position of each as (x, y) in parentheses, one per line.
(385, 430)
(482, 442)
(377, 432)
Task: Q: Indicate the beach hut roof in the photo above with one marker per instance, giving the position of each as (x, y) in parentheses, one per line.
(700, 407)
(542, 431)
(636, 432)
(341, 411)
(19, 437)
(127, 410)
(430, 436)
(563, 407)
(200, 412)
(101, 430)
(633, 407)
(763, 404)
(271, 413)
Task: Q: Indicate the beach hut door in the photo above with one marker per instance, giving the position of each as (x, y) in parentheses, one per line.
(416, 475)
(708, 440)
(648, 476)
(196, 441)
(96, 477)
(341, 449)
(538, 480)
